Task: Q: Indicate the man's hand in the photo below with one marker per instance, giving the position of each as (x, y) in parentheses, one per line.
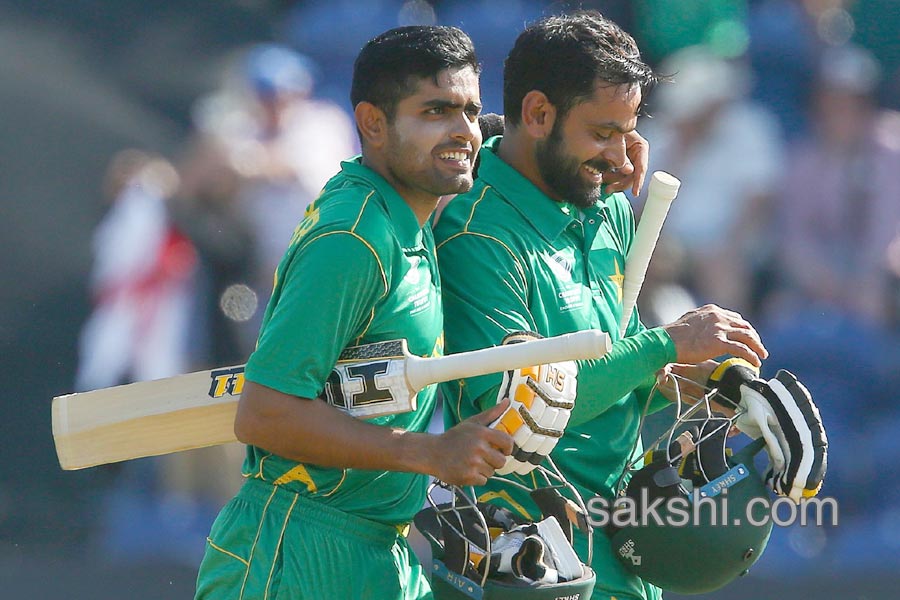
(470, 452)
(632, 173)
(541, 399)
(782, 412)
(711, 331)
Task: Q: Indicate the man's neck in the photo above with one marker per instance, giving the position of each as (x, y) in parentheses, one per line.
(518, 151)
(420, 203)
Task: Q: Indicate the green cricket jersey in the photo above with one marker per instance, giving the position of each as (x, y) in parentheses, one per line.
(359, 269)
(513, 259)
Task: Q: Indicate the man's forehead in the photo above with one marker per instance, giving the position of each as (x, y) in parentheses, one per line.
(454, 80)
(612, 103)
(629, 93)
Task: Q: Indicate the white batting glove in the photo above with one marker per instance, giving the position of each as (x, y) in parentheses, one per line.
(782, 412)
(541, 401)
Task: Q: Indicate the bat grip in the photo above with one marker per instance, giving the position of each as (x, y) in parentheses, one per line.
(663, 189)
(581, 345)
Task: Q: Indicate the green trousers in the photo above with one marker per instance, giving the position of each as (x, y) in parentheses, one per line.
(272, 544)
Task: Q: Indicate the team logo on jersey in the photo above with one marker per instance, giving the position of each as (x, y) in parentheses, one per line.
(412, 276)
(561, 263)
(418, 277)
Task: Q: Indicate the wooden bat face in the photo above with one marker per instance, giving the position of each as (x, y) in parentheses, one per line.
(196, 410)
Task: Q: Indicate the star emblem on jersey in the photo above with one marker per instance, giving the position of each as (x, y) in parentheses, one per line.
(618, 278)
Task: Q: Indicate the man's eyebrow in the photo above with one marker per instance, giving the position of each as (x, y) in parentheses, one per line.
(438, 103)
(615, 126)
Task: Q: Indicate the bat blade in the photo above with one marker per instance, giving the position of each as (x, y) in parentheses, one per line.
(660, 194)
(197, 410)
(147, 418)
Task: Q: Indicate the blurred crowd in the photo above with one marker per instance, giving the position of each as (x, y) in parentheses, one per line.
(780, 123)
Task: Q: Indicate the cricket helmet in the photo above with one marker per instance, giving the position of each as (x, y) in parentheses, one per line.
(711, 522)
(467, 559)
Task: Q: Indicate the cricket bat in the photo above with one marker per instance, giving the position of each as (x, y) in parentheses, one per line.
(660, 194)
(197, 410)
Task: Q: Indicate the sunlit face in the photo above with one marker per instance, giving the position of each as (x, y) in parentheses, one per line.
(587, 142)
(434, 137)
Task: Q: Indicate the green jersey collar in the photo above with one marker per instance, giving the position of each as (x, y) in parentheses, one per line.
(549, 217)
(406, 225)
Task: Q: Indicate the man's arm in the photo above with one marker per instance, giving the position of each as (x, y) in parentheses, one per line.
(477, 262)
(694, 340)
(630, 364)
(312, 431)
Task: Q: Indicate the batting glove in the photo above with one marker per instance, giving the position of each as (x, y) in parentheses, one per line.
(541, 400)
(782, 412)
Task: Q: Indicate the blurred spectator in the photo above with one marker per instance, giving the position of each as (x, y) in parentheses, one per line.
(262, 150)
(141, 280)
(842, 205)
(142, 284)
(782, 53)
(893, 262)
(830, 317)
(206, 209)
(727, 152)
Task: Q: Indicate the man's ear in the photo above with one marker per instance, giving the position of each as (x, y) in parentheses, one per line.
(372, 124)
(538, 114)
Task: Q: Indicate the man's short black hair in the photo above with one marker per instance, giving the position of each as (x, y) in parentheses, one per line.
(565, 56)
(388, 67)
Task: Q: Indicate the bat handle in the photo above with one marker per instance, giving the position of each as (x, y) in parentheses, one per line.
(662, 191)
(581, 345)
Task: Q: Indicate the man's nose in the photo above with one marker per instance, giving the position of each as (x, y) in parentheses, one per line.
(465, 129)
(615, 153)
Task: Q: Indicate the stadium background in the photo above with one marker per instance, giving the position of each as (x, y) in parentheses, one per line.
(82, 79)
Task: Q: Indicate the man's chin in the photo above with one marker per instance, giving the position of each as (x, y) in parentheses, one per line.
(584, 197)
(459, 185)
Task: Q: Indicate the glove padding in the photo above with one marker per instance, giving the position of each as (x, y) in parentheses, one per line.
(541, 401)
(782, 412)
(536, 553)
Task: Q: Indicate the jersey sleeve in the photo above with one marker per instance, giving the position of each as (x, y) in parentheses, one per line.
(326, 296)
(630, 366)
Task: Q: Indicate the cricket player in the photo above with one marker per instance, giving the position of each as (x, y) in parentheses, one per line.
(539, 244)
(328, 497)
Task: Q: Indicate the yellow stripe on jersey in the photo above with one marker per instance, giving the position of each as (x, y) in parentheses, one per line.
(298, 473)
